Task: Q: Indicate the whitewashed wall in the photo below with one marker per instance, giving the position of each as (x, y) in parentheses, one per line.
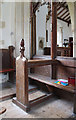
(16, 16)
(67, 31)
(6, 29)
(40, 27)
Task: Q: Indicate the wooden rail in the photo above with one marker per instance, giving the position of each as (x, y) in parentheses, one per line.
(36, 63)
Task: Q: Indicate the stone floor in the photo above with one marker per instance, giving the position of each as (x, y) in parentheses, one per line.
(7, 89)
(53, 108)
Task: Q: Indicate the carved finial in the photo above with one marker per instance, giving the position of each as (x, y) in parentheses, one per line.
(22, 48)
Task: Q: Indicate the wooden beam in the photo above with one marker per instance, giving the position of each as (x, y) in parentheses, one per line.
(62, 19)
(33, 30)
(42, 99)
(31, 17)
(58, 8)
(36, 63)
(31, 37)
(63, 5)
(66, 16)
(61, 11)
(54, 31)
(58, 4)
(34, 34)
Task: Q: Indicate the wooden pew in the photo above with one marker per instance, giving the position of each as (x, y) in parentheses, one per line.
(7, 62)
(65, 67)
(22, 65)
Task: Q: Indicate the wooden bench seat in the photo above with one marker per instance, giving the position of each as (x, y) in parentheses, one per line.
(49, 81)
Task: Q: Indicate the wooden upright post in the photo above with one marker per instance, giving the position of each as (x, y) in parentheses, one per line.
(74, 110)
(74, 102)
(33, 30)
(34, 34)
(22, 80)
(54, 31)
(54, 37)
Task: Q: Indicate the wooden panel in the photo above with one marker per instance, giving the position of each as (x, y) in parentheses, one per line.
(44, 70)
(4, 59)
(65, 67)
(67, 62)
(7, 60)
(65, 72)
(22, 81)
(64, 13)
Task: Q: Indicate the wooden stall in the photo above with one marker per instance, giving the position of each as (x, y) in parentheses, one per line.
(7, 62)
(64, 68)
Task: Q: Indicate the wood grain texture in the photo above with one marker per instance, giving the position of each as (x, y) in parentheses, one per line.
(22, 81)
(49, 81)
(54, 31)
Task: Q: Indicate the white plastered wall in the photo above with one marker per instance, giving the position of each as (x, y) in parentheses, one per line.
(16, 17)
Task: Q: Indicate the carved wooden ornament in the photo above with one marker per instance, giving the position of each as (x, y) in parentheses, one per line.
(22, 48)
